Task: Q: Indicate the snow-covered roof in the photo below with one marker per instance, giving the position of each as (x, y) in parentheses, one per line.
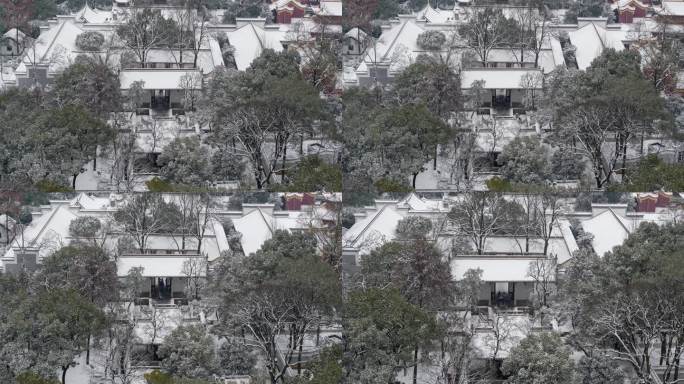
(220, 236)
(259, 223)
(89, 202)
(674, 8)
(356, 33)
(397, 46)
(330, 8)
(417, 203)
(215, 49)
(49, 230)
(437, 16)
(158, 78)
(47, 233)
(255, 228)
(96, 16)
(557, 51)
(591, 39)
(7, 221)
(13, 33)
(497, 78)
(514, 245)
(279, 4)
(609, 230)
(55, 47)
(251, 39)
(494, 268)
(632, 4)
(206, 61)
(569, 239)
(371, 231)
(156, 265)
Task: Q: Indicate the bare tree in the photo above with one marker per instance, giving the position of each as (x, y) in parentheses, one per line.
(144, 30)
(274, 325)
(505, 331)
(628, 322)
(478, 216)
(191, 84)
(154, 130)
(456, 346)
(531, 83)
(318, 49)
(203, 214)
(484, 31)
(528, 225)
(141, 217)
(184, 220)
(533, 32)
(120, 357)
(549, 206)
(199, 31)
(543, 272)
(123, 150)
(195, 272)
(192, 32)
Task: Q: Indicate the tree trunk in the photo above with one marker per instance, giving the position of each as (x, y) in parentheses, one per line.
(546, 243)
(282, 175)
(415, 365)
(678, 350)
(299, 358)
(624, 160)
(88, 350)
(64, 371)
(663, 347)
(415, 175)
(434, 162)
(257, 178)
(73, 181)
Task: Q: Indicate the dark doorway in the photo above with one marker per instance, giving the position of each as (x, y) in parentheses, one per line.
(161, 288)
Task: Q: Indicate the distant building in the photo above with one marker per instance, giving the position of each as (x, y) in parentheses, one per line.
(12, 42)
(354, 42)
(289, 11)
(650, 202)
(627, 10)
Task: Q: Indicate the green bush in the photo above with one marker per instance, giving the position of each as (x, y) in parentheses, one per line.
(162, 186)
(158, 377)
(497, 184)
(159, 185)
(50, 186)
(653, 174)
(25, 216)
(34, 378)
(385, 185)
(314, 174)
